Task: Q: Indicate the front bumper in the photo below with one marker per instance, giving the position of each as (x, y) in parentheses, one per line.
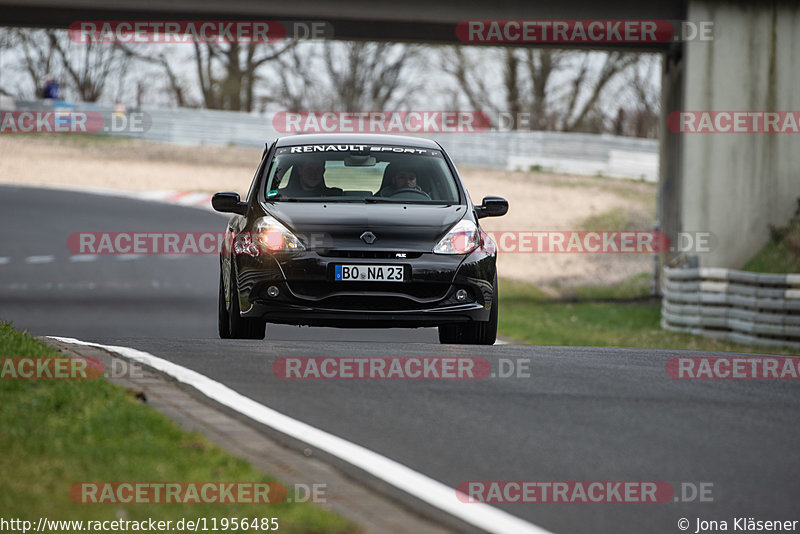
(307, 294)
(317, 316)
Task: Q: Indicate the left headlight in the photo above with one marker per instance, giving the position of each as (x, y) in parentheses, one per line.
(462, 238)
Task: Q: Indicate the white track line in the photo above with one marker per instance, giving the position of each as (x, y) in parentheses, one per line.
(398, 475)
(39, 259)
(4, 260)
(83, 258)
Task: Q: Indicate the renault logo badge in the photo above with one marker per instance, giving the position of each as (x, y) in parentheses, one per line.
(368, 238)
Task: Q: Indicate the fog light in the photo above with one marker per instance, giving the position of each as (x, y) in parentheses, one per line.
(273, 291)
(461, 294)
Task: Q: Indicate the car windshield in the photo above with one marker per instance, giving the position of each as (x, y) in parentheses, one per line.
(360, 173)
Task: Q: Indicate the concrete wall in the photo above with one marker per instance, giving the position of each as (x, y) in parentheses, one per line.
(736, 184)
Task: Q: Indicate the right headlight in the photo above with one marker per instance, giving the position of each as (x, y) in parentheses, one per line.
(268, 237)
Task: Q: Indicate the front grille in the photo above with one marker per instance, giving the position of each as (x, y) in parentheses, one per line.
(368, 254)
(316, 289)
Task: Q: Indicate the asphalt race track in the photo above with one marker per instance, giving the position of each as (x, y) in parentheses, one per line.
(583, 414)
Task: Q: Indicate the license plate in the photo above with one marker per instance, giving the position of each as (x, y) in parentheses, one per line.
(368, 273)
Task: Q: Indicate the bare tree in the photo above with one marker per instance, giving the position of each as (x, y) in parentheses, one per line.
(368, 75)
(646, 102)
(84, 68)
(176, 87)
(353, 76)
(294, 86)
(471, 80)
(5, 44)
(89, 65)
(526, 77)
(551, 89)
(541, 65)
(585, 91)
(36, 60)
(228, 72)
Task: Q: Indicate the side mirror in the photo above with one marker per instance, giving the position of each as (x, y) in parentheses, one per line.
(492, 207)
(229, 202)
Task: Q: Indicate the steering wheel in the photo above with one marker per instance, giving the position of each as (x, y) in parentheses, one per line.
(410, 190)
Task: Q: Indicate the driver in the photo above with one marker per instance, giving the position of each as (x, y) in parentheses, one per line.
(402, 179)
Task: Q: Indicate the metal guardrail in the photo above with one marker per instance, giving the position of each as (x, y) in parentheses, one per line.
(739, 306)
(588, 154)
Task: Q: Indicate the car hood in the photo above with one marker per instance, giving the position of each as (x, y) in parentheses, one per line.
(411, 227)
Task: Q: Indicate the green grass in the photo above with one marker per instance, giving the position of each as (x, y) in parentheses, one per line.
(54, 433)
(782, 253)
(635, 287)
(529, 315)
(620, 219)
(614, 219)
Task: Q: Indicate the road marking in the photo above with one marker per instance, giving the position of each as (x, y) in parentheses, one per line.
(129, 257)
(17, 285)
(426, 489)
(81, 258)
(4, 260)
(39, 259)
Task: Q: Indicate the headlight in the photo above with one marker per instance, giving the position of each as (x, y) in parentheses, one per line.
(269, 237)
(462, 238)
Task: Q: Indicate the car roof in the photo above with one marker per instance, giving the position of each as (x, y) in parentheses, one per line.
(373, 139)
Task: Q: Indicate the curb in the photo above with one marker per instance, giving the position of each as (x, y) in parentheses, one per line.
(291, 463)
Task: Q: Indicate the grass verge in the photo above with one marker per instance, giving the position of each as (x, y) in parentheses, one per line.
(55, 433)
(782, 253)
(620, 316)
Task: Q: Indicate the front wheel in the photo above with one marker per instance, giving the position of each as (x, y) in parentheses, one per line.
(231, 324)
(474, 333)
(223, 319)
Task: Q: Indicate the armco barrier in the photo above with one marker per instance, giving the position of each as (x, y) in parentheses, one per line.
(738, 306)
(562, 152)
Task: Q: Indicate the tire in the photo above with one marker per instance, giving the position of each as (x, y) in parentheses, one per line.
(474, 333)
(238, 326)
(223, 319)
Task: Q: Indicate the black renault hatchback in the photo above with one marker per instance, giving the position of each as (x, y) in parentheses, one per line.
(358, 230)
